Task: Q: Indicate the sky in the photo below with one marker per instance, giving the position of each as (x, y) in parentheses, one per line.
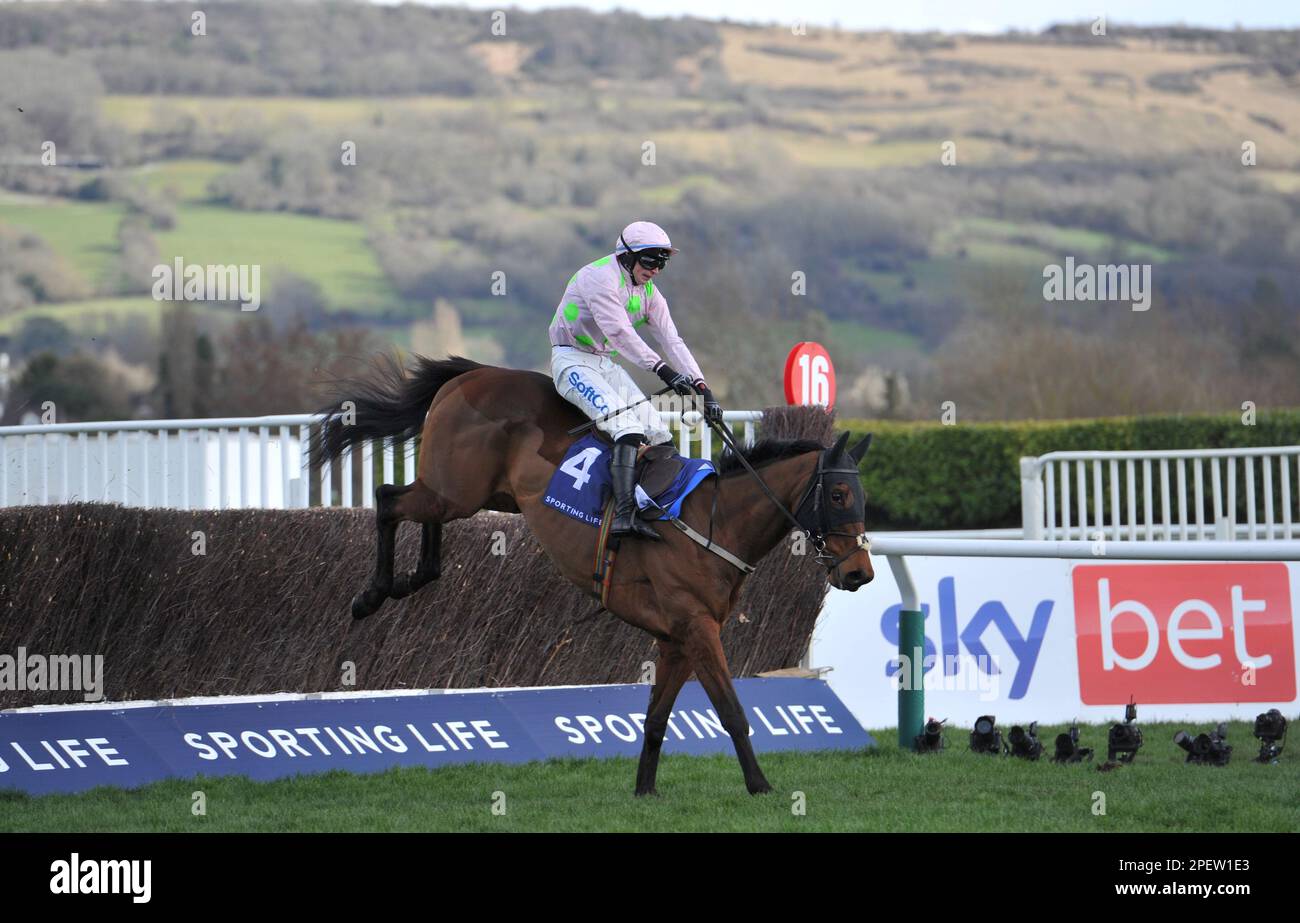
(945, 15)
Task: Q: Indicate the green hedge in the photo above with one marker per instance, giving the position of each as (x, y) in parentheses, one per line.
(967, 476)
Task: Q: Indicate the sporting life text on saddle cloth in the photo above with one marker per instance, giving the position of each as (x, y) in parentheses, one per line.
(580, 486)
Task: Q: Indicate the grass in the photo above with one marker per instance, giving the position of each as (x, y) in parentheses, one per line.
(335, 254)
(332, 253)
(670, 193)
(1285, 181)
(853, 337)
(879, 790)
(139, 113)
(83, 233)
(189, 178)
(95, 315)
(1063, 241)
(843, 154)
(1023, 247)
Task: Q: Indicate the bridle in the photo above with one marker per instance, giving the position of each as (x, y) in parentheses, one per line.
(817, 521)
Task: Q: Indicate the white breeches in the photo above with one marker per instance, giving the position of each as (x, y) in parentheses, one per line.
(597, 385)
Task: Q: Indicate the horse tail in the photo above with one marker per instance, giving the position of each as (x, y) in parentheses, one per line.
(390, 404)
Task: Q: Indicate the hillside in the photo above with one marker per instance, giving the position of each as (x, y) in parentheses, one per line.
(920, 183)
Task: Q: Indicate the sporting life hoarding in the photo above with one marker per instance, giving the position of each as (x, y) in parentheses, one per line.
(70, 749)
(1052, 640)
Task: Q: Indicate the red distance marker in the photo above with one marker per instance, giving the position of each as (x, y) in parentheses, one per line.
(809, 376)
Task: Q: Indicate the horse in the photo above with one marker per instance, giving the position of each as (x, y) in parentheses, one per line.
(492, 437)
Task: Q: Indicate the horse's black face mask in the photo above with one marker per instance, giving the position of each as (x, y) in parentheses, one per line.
(819, 515)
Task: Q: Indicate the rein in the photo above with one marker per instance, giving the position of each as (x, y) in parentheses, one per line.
(724, 433)
(814, 486)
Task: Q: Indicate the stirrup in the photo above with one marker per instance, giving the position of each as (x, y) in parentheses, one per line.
(635, 527)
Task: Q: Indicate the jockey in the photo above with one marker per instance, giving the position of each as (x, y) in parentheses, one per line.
(603, 305)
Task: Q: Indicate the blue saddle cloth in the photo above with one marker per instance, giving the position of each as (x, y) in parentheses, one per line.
(580, 485)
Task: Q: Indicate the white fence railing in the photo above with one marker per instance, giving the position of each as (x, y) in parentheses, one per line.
(228, 463)
(1192, 494)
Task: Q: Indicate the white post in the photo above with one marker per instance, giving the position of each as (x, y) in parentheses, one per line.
(1031, 499)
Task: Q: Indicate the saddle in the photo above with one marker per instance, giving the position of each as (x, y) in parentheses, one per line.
(657, 468)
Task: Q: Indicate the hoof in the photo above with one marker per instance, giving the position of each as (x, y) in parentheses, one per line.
(763, 789)
(364, 604)
(641, 793)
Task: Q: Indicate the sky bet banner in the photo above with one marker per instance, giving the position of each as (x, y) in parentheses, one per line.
(68, 750)
(1047, 640)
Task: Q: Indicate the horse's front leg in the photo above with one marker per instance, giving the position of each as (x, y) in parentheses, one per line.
(670, 675)
(703, 648)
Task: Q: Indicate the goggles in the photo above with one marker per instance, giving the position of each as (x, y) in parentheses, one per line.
(650, 257)
(653, 259)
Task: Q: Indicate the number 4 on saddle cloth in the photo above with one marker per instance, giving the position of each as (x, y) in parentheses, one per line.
(580, 486)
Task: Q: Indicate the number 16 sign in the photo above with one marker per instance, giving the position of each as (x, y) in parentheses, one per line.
(809, 376)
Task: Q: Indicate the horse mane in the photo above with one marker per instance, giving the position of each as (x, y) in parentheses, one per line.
(764, 452)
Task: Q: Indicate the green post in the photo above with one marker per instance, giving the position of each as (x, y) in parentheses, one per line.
(911, 690)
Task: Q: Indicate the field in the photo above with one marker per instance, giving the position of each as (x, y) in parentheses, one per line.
(333, 254)
(880, 790)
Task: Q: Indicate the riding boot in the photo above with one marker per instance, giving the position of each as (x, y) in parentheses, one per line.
(622, 472)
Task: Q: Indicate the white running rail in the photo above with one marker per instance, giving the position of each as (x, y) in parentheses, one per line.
(1186, 494)
(226, 463)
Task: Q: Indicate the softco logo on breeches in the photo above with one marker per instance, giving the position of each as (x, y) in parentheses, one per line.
(588, 391)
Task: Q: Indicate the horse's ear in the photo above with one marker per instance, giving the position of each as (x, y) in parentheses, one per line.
(838, 449)
(859, 450)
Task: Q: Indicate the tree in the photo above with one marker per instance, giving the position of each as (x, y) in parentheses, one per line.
(138, 255)
(80, 387)
(42, 334)
(267, 371)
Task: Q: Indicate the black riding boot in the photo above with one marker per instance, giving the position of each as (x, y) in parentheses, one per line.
(622, 475)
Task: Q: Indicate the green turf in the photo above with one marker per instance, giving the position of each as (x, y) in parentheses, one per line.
(333, 253)
(139, 113)
(188, 178)
(852, 338)
(880, 790)
(670, 193)
(83, 233)
(94, 315)
(863, 339)
(996, 240)
(97, 316)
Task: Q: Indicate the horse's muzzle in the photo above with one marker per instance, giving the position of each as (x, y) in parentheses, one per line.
(854, 579)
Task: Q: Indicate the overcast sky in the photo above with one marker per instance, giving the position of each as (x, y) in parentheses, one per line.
(948, 15)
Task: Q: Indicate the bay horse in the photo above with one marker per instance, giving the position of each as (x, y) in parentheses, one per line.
(491, 438)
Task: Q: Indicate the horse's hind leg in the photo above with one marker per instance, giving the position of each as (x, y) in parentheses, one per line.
(423, 506)
(387, 518)
(429, 567)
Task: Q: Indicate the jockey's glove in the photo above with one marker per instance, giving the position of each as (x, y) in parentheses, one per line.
(712, 409)
(673, 379)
